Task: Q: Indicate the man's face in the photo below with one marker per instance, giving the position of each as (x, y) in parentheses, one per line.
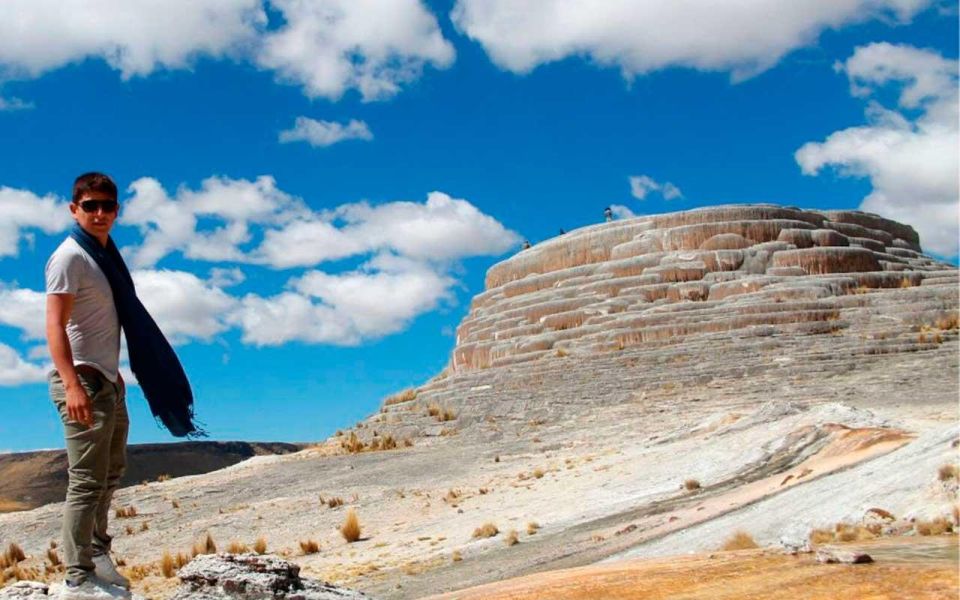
(97, 221)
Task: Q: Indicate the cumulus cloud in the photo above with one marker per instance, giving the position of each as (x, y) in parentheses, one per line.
(642, 185)
(14, 370)
(378, 299)
(325, 46)
(330, 46)
(12, 104)
(25, 210)
(640, 36)
(135, 38)
(173, 223)
(183, 305)
(24, 309)
(325, 133)
(441, 229)
(218, 222)
(910, 155)
(621, 212)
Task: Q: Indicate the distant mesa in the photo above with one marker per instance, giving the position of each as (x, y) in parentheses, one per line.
(32, 479)
(651, 279)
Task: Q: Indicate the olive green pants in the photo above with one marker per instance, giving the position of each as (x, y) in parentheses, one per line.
(97, 456)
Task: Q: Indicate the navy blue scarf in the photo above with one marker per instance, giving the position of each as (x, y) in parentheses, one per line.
(152, 360)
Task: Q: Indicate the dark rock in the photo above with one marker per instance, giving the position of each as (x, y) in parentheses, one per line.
(252, 577)
(847, 557)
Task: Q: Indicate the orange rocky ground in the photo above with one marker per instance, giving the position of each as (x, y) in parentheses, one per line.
(915, 568)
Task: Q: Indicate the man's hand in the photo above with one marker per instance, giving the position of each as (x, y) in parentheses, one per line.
(79, 405)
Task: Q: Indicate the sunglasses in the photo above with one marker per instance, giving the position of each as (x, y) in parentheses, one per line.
(92, 206)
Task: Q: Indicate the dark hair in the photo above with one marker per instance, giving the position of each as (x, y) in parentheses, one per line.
(94, 182)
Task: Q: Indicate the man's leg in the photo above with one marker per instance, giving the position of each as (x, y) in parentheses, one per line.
(116, 467)
(88, 451)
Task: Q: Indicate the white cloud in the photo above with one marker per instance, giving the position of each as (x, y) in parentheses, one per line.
(380, 298)
(441, 229)
(326, 46)
(25, 310)
(911, 157)
(621, 212)
(642, 185)
(25, 210)
(330, 46)
(173, 224)
(640, 36)
(183, 305)
(14, 370)
(12, 103)
(325, 133)
(135, 38)
(222, 278)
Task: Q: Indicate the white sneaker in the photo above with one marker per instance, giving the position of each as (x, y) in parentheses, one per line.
(91, 589)
(105, 570)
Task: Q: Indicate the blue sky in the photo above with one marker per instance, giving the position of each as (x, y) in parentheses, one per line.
(305, 275)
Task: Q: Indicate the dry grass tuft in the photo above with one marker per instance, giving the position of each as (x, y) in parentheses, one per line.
(740, 540)
(532, 527)
(125, 512)
(352, 444)
(260, 545)
(562, 352)
(53, 557)
(844, 532)
(405, 396)
(486, 530)
(167, 565)
(145, 526)
(691, 485)
(309, 547)
(433, 411)
(236, 547)
(129, 530)
(949, 322)
(537, 473)
(948, 472)
(447, 415)
(350, 530)
(163, 477)
(13, 555)
(334, 502)
(175, 503)
(511, 538)
(937, 526)
(204, 546)
(456, 556)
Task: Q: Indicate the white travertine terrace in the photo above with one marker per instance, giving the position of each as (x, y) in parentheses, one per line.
(636, 281)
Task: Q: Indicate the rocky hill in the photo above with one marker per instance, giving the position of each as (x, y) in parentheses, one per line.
(32, 479)
(633, 389)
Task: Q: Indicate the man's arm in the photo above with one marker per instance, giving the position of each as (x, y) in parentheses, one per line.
(59, 307)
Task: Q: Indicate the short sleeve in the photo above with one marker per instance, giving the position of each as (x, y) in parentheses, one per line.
(63, 273)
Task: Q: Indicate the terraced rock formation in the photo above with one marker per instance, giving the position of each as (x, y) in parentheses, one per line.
(754, 270)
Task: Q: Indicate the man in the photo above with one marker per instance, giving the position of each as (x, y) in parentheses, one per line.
(83, 335)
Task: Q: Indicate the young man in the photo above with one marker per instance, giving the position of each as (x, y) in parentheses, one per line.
(83, 335)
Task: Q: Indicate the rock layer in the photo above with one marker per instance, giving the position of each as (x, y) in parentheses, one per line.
(720, 269)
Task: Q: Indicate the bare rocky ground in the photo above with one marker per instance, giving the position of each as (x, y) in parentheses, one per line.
(803, 400)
